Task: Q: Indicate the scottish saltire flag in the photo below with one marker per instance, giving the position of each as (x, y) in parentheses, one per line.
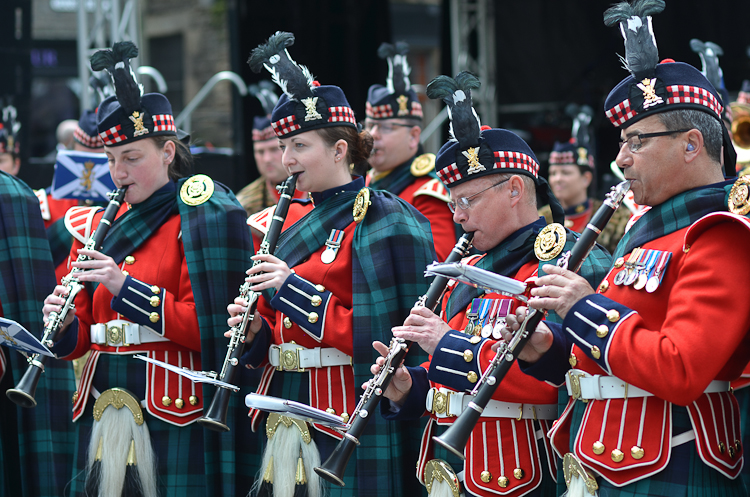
(15, 336)
(82, 176)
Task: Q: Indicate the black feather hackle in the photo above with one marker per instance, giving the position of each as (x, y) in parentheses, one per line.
(263, 91)
(465, 126)
(641, 54)
(117, 63)
(295, 80)
(398, 66)
(709, 53)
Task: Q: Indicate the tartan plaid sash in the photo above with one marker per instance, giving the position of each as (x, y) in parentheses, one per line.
(60, 241)
(398, 179)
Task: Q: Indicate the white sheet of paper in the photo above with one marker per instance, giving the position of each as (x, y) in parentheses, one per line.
(194, 376)
(15, 336)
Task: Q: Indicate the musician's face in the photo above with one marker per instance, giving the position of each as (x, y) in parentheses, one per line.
(487, 215)
(141, 165)
(394, 142)
(268, 159)
(569, 184)
(9, 164)
(321, 166)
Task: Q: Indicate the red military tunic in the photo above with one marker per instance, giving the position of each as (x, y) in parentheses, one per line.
(52, 211)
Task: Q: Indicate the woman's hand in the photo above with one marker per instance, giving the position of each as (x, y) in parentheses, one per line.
(54, 303)
(400, 385)
(271, 273)
(539, 343)
(100, 269)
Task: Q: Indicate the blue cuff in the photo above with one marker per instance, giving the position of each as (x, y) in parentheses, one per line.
(592, 322)
(67, 344)
(455, 362)
(304, 303)
(141, 303)
(553, 365)
(258, 350)
(414, 404)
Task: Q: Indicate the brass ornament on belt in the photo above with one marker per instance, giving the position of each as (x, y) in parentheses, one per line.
(739, 196)
(361, 204)
(197, 189)
(114, 334)
(439, 402)
(119, 398)
(437, 470)
(422, 165)
(550, 242)
(274, 419)
(572, 468)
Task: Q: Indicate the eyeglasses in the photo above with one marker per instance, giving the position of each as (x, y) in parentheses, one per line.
(385, 128)
(634, 142)
(464, 202)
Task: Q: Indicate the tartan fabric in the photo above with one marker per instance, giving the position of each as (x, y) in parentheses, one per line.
(378, 111)
(620, 113)
(285, 126)
(391, 248)
(112, 135)
(516, 160)
(261, 135)
(398, 179)
(87, 141)
(341, 114)
(449, 174)
(561, 158)
(218, 250)
(164, 122)
(676, 94)
(60, 241)
(36, 444)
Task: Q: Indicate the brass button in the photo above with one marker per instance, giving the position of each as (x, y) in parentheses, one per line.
(636, 452)
(602, 330)
(603, 286)
(287, 322)
(316, 300)
(722, 447)
(617, 455)
(166, 401)
(312, 317)
(468, 356)
(331, 410)
(125, 273)
(573, 360)
(129, 259)
(598, 448)
(502, 481)
(320, 288)
(731, 452)
(472, 377)
(737, 445)
(613, 315)
(75, 397)
(179, 403)
(619, 262)
(595, 352)
(475, 340)
(518, 473)
(153, 317)
(193, 400)
(155, 290)
(154, 301)
(345, 417)
(486, 476)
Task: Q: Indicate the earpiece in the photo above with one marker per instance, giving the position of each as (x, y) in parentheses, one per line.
(690, 147)
(166, 155)
(514, 193)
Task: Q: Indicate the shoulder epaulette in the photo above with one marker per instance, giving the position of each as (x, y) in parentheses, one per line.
(41, 194)
(79, 222)
(434, 188)
(261, 220)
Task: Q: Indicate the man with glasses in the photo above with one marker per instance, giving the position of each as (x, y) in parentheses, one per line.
(493, 179)
(394, 119)
(668, 326)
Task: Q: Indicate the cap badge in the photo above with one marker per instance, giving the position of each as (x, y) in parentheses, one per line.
(583, 159)
(650, 98)
(10, 143)
(402, 109)
(473, 156)
(137, 119)
(312, 112)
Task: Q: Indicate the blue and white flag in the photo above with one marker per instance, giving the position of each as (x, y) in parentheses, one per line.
(15, 336)
(82, 176)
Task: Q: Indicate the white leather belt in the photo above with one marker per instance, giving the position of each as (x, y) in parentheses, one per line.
(119, 332)
(446, 403)
(582, 385)
(293, 357)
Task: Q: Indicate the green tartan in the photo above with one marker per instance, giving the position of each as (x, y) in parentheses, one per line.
(60, 241)
(35, 444)
(390, 249)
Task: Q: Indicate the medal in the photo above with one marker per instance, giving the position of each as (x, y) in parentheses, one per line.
(472, 315)
(483, 312)
(502, 313)
(626, 269)
(650, 261)
(655, 280)
(633, 271)
(497, 330)
(332, 246)
(487, 328)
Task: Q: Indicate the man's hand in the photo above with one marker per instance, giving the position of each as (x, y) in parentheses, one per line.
(400, 385)
(559, 290)
(423, 327)
(539, 343)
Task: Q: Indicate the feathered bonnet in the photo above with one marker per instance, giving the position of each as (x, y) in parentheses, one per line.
(578, 151)
(9, 128)
(654, 87)
(305, 105)
(87, 133)
(709, 53)
(474, 151)
(263, 91)
(396, 99)
(129, 115)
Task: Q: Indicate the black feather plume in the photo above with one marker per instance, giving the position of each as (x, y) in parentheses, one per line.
(398, 66)
(263, 91)
(117, 63)
(641, 54)
(465, 126)
(581, 126)
(709, 53)
(295, 80)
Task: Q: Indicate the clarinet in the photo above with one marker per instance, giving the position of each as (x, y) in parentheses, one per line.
(333, 468)
(23, 393)
(457, 435)
(216, 416)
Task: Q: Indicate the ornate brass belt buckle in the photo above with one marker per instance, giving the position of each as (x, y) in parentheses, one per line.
(114, 335)
(575, 385)
(289, 360)
(439, 402)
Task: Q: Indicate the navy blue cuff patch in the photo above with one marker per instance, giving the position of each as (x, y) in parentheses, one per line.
(141, 303)
(304, 303)
(553, 365)
(413, 407)
(592, 322)
(455, 362)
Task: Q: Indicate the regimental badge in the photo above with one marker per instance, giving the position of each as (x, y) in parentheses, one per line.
(437, 471)
(361, 204)
(650, 98)
(550, 242)
(573, 469)
(197, 189)
(137, 119)
(739, 196)
(11, 142)
(583, 156)
(422, 165)
(403, 110)
(473, 156)
(312, 112)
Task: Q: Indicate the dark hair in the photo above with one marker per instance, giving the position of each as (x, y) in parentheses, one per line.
(708, 125)
(359, 144)
(183, 160)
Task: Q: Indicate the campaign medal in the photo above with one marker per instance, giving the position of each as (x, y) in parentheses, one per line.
(483, 312)
(622, 275)
(641, 264)
(332, 246)
(472, 315)
(661, 266)
(502, 313)
(633, 270)
(650, 261)
(487, 326)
